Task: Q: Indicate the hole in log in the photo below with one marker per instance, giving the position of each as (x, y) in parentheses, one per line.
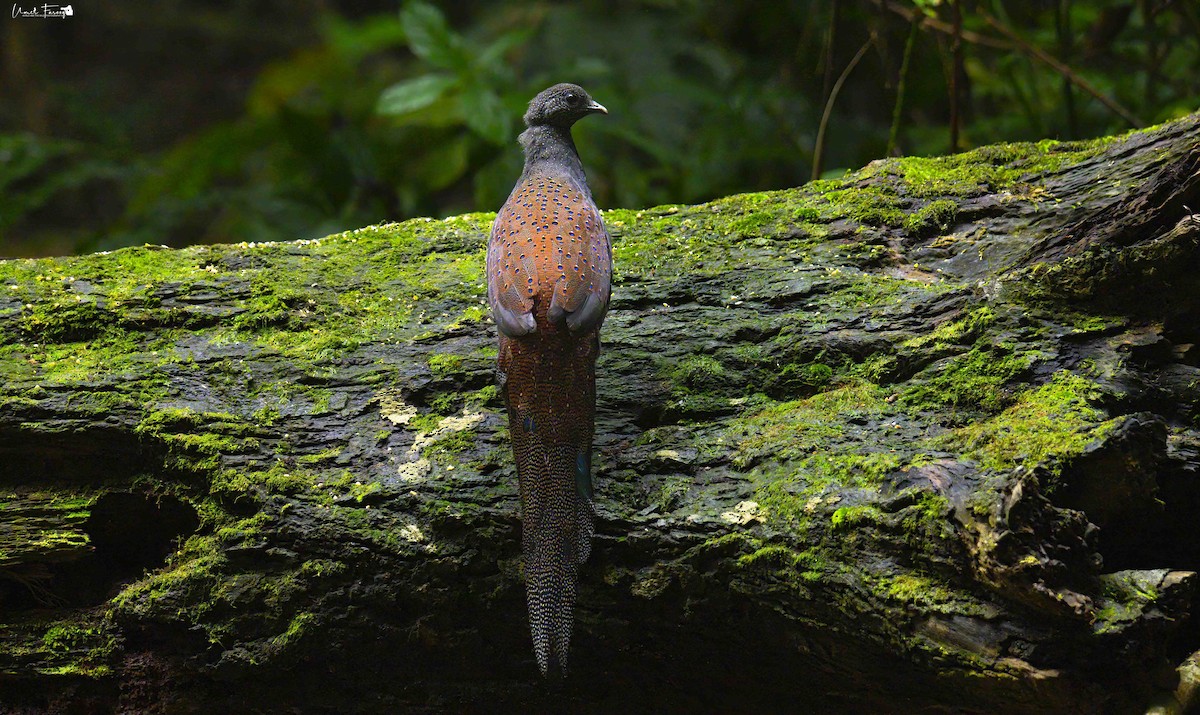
(71, 554)
(131, 532)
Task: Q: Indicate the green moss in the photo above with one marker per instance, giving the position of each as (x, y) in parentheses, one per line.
(752, 223)
(791, 497)
(803, 378)
(321, 568)
(196, 440)
(935, 216)
(425, 422)
(889, 203)
(66, 321)
(1045, 426)
(183, 590)
(987, 169)
(243, 530)
(849, 516)
(489, 395)
(795, 429)
(56, 539)
(921, 590)
(713, 238)
(446, 403)
(445, 448)
(951, 176)
(320, 400)
(75, 669)
(697, 371)
(806, 566)
(860, 469)
(65, 637)
(271, 303)
(929, 512)
(671, 493)
(267, 415)
(82, 645)
(444, 364)
(349, 484)
(1125, 597)
(1087, 323)
(870, 205)
(300, 625)
(962, 331)
(326, 455)
(860, 290)
(976, 379)
(279, 479)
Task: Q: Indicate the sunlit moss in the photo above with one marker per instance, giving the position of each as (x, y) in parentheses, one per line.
(806, 566)
(789, 430)
(848, 516)
(976, 379)
(1045, 426)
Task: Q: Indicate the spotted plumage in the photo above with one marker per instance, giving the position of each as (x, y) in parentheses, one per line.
(549, 267)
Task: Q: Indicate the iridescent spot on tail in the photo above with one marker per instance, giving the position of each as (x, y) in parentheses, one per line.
(583, 475)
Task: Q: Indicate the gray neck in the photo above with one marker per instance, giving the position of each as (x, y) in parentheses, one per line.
(550, 151)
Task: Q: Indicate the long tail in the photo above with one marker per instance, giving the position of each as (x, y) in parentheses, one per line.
(557, 525)
(550, 386)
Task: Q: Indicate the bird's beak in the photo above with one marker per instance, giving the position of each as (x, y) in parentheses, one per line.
(597, 107)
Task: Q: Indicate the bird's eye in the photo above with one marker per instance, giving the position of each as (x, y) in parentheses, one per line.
(570, 96)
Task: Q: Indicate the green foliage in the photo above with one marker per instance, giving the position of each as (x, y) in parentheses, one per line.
(343, 122)
(465, 89)
(934, 216)
(413, 94)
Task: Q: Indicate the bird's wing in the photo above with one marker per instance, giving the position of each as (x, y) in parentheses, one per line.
(509, 275)
(583, 287)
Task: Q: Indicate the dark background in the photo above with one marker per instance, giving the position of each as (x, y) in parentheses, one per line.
(185, 121)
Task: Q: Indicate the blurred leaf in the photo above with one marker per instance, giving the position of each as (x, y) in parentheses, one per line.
(441, 163)
(485, 114)
(359, 39)
(494, 181)
(430, 38)
(414, 94)
(194, 166)
(294, 79)
(33, 170)
(491, 58)
(23, 154)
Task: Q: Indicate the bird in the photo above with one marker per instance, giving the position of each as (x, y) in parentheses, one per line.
(549, 271)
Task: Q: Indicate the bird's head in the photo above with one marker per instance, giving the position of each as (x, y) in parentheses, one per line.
(561, 105)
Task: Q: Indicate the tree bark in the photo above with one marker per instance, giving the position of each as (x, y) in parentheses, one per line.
(924, 438)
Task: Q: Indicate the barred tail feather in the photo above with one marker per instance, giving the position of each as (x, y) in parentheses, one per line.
(556, 538)
(550, 579)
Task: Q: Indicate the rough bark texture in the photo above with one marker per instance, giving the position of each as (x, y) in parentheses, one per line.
(925, 438)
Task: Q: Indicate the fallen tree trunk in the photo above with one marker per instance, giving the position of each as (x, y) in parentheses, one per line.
(924, 437)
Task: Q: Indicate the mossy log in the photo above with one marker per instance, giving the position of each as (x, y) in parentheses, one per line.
(924, 438)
